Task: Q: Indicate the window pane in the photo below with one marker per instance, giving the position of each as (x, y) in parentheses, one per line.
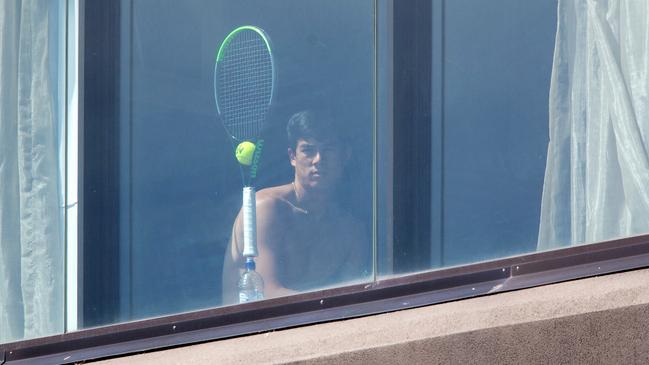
(497, 77)
(173, 179)
(32, 98)
(533, 132)
(481, 122)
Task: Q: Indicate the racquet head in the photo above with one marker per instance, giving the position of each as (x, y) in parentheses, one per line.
(244, 80)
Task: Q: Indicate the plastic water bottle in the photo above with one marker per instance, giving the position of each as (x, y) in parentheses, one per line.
(251, 285)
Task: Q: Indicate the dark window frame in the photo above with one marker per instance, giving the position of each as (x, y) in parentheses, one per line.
(98, 139)
(410, 291)
(99, 183)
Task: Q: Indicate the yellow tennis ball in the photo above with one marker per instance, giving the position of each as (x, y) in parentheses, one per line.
(245, 151)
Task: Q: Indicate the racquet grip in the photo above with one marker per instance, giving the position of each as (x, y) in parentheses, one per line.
(249, 210)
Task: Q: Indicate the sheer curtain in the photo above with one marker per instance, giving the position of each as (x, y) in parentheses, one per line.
(597, 173)
(31, 245)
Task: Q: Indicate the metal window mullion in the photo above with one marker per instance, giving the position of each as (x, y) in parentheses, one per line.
(71, 165)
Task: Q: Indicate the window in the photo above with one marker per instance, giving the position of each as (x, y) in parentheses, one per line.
(172, 187)
(473, 142)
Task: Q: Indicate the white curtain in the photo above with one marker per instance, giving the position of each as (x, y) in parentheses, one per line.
(31, 247)
(597, 173)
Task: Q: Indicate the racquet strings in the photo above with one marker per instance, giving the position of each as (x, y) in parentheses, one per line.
(244, 84)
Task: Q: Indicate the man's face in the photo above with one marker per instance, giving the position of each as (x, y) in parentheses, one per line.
(318, 164)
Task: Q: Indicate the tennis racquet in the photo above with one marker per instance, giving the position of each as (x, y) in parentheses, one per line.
(244, 81)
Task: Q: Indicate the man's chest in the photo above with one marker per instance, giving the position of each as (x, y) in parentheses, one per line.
(313, 254)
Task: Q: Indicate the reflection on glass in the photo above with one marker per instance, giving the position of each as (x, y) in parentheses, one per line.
(31, 183)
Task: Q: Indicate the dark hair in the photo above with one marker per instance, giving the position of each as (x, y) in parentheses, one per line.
(306, 124)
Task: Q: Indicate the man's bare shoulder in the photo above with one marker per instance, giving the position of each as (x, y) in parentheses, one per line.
(275, 198)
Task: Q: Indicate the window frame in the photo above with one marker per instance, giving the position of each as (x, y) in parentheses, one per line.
(398, 292)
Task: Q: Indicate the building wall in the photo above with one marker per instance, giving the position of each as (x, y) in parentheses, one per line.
(588, 321)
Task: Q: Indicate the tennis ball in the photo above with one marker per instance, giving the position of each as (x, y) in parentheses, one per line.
(244, 152)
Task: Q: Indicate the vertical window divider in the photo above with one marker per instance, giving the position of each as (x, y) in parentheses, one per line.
(72, 215)
(375, 149)
(125, 153)
(412, 131)
(437, 135)
(384, 147)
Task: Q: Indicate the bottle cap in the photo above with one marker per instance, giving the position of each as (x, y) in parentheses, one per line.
(250, 263)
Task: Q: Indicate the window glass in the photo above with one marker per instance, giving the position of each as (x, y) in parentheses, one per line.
(496, 84)
(481, 121)
(32, 110)
(177, 186)
(529, 117)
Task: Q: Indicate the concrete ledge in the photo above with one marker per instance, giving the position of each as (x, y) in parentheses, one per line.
(595, 320)
(616, 336)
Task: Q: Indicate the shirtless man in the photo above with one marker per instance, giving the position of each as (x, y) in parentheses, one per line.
(305, 239)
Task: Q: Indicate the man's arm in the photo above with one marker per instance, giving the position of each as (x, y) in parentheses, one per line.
(233, 265)
(271, 226)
